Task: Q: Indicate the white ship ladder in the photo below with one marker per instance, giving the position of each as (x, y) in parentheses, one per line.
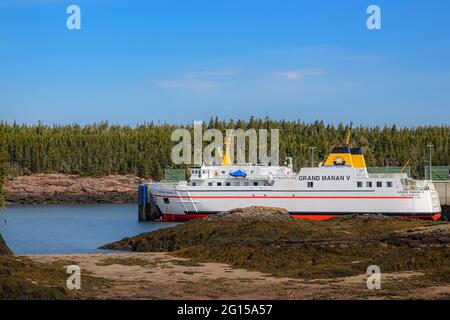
(192, 202)
(184, 202)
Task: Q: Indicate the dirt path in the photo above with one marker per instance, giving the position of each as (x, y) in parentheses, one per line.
(162, 276)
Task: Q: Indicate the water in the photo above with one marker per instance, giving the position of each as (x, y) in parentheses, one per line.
(70, 228)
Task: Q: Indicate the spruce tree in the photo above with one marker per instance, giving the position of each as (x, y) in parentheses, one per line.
(102, 149)
(3, 165)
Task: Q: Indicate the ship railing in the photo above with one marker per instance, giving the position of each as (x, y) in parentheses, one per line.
(265, 177)
(169, 183)
(383, 175)
(418, 185)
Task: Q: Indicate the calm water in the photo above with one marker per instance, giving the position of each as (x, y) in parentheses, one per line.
(70, 228)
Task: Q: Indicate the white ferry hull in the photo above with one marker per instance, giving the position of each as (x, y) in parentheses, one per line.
(183, 203)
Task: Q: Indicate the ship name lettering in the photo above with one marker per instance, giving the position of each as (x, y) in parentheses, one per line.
(333, 178)
(309, 178)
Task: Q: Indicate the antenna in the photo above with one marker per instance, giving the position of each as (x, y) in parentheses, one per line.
(347, 140)
(226, 160)
(406, 164)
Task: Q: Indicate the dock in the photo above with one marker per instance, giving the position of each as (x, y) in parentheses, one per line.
(443, 189)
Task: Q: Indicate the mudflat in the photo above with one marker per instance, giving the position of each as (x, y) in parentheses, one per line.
(162, 276)
(269, 241)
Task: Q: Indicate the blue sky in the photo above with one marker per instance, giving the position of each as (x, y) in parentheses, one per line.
(179, 61)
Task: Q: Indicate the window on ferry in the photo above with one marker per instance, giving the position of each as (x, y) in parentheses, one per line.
(369, 184)
(219, 183)
(228, 184)
(223, 172)
(379, 184)
(210, 184)
(310, 184)
(166, 200)
(389, 184)
(255, 183)
(245, 183)
(359, 184)
(194, 184)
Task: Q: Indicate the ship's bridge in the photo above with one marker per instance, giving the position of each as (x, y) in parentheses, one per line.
(346, 157)
(249, 171)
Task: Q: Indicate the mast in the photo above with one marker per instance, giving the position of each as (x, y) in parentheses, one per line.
(347, 140)
(226, 159)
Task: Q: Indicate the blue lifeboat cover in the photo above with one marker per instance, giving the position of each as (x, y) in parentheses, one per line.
(238, 173)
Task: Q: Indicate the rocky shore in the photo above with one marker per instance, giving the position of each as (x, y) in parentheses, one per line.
(4, 249)
(249, 253)
(71, 189)
(269, 241)
(15, 274)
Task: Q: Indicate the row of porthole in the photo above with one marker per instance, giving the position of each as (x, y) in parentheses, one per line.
(389, 184)
(228, 184)
(359, 184)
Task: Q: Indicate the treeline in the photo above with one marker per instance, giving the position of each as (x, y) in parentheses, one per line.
(145, 150)
(3, 165)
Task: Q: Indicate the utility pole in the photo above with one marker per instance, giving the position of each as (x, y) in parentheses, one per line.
(312, 155)
(430, 146)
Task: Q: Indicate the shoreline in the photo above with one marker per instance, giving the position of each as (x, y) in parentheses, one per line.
(13, 200)
(42, 189)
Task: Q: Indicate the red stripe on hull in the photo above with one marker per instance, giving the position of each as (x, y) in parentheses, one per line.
(317, 217)
(170, 217)
(437, 216)
(434, 217)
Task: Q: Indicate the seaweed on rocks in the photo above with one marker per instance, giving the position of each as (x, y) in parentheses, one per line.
(20, 278)
(269, 240)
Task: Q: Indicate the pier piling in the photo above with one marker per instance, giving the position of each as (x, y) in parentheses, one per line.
(147, 210)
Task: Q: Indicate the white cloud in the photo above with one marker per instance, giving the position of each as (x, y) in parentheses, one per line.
(298, 74)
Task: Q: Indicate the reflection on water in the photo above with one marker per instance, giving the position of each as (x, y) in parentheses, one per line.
(70, 228)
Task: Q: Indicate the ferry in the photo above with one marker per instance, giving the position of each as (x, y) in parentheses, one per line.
(339, 186)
